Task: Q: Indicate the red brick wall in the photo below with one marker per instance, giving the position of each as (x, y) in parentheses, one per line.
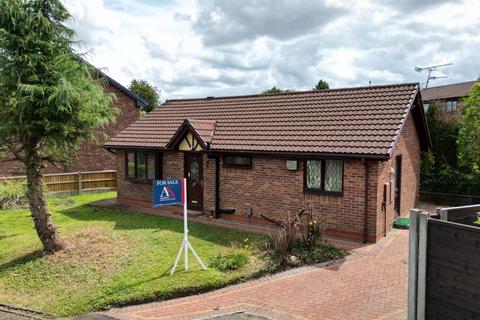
(270, 189)
(91, 155)
(408, 146)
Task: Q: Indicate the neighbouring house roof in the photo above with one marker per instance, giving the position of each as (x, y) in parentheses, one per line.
(455, 90)
(140, 102)
(358, 122)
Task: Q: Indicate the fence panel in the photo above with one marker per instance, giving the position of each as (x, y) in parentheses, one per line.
(453, 271)
(76, 182)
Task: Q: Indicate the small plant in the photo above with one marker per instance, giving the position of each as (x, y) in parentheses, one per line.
(12, 193)
(314, 230)
(228, 262)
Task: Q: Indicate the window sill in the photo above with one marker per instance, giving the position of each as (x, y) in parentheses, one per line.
(323, 193)
(234, 166)
(141, 181)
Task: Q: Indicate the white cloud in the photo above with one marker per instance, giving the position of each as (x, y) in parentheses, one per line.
(210, 48)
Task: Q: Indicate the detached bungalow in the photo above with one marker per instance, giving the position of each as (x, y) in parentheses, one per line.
(353, 153)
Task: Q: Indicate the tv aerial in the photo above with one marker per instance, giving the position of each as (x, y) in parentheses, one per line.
(430, 69)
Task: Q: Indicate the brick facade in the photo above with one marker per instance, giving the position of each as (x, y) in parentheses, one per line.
(269, 188)
(91, 155)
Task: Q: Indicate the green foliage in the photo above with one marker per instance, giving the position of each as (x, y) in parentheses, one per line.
(319, 253)
(452, 164)
(51, 100)
(12, 193)
(469, 135)
(273, 90)
(147, 92)
(321, 85)
(227, 262)
(444, 127)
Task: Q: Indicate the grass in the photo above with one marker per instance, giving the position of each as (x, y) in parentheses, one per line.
(113, 258)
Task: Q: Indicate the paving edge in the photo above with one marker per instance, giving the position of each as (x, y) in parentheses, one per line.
(22, 311)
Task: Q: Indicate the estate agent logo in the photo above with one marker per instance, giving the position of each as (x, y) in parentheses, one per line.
(167, 192)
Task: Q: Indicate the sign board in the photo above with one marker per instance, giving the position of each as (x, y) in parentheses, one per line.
(167, 192)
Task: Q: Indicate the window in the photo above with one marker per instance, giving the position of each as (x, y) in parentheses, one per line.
(131, 165)
(237, 161)
(324, 176)
(451, 105)
(333, 175)
(141, 165)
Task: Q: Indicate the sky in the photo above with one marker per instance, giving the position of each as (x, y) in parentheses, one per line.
(216, 48)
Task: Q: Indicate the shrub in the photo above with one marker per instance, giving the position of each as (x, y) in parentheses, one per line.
(12, 193)
(228, 262)
(286, 248)
(286, 238)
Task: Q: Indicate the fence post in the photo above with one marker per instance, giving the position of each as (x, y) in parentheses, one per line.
(412, 263)
(422, 264)
(443, 214)
(79, 182)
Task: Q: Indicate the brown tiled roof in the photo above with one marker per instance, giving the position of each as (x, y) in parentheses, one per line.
(363, 121)
(455, 90)
(204, 129)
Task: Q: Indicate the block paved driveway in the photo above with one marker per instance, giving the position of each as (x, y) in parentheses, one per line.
(369, 284)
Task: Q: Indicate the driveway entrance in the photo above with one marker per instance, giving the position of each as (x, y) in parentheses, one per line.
(370, 284)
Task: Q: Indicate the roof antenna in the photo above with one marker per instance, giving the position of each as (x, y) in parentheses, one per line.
(430, 69)
(369, 83)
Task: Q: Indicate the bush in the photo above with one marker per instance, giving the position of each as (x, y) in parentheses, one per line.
(12, 193)
(287, 236)
(288, 249)
(228, 262)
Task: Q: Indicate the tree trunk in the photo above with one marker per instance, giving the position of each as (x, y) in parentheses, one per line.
(42, 219)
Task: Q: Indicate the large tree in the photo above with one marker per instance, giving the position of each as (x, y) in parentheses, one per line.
(147, 92)
(50, 100)
(469, 134)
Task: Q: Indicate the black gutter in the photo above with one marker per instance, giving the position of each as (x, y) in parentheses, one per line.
(218, 210)
(365, 210)
(217, 187)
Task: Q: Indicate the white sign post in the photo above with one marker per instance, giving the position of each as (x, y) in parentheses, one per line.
(185, 243)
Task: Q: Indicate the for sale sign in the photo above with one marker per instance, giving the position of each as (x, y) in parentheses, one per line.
(167, 192)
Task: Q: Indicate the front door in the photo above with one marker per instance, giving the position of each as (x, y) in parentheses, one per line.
(193, 172)
(398, 186)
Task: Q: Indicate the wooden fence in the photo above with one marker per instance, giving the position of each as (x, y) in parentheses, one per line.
(444, 264)
(76, 182)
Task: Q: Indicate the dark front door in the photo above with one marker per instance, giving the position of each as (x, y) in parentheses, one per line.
(193, 173)
(398, 185)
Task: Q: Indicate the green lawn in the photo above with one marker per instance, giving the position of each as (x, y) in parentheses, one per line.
(113, 258)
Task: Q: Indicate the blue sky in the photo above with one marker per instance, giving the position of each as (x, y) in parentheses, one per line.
(212, 48)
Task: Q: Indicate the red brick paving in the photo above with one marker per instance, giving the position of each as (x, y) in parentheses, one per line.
(370, 284)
